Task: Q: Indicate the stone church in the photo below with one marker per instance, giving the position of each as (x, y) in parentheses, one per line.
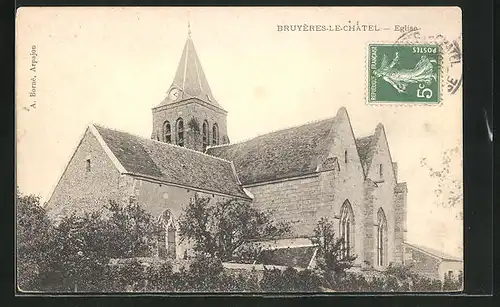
(318, 169)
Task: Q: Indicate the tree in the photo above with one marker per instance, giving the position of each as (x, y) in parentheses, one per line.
(453, 283)
(449, 190)
(331, 259)
(80, 252)
(33, 237)
(74, 254)
(400, 272)
(84, 244)
(129, 231)
(225, 229)
(449, 183)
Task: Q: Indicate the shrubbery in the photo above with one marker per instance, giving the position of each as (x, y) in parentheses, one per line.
(75, 255)
(290, 280)
(207, 275)
(224, 230)
(203, 274)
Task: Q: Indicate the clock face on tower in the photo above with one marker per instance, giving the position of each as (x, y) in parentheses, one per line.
(174, 94)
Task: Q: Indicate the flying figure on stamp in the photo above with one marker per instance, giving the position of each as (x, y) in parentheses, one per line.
(423, 72)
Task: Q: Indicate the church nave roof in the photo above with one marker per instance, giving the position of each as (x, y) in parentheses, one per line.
(287, 153)
(171, 164)
(281, 154)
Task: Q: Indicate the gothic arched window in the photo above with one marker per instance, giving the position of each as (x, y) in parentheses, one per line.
(180, 132)
(167, 132)
(166, 238)
(215, 134)
(347, 228)
(205, 134)
(381, 237)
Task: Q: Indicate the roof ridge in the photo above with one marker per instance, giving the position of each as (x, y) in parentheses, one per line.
(162, 143)
(274, 131)
(219, 145)
(433, 251)
(188, 149)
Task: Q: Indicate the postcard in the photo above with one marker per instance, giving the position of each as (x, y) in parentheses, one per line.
(247, 149)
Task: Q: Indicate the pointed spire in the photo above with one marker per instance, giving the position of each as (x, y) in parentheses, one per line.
(190, 78)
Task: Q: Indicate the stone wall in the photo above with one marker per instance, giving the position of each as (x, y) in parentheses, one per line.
(295, 201)
(187, 110)
(305, 200)
(344, 184)
(81, 189)
(400, 208)
(157, 197)
(381, 172)
(369, 240)
(422, 263)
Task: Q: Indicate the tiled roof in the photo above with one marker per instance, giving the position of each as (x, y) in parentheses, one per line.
(436, 253)
(290, 256)
(171, 164)
(281, 154)
(365, 149)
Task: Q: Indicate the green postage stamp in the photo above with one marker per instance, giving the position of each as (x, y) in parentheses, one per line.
(404, 74)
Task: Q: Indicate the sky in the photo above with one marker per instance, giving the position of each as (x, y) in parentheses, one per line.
(112, 65)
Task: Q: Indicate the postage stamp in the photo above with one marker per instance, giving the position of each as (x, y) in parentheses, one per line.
(404, 73)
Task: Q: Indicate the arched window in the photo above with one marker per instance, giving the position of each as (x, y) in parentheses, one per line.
(166, 238)
(167, 132)
(180, 132)
(205, 134)
(381, 237)
(347, 228)
(215, 134)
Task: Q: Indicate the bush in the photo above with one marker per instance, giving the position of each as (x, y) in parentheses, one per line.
(160, 278)
(34, 237)
(332, 259)
(73, 255)
(130, 276)
(205, 273)
(290, 280)
(453, 284)
(354, 283)
(271, 281)
(425, 284)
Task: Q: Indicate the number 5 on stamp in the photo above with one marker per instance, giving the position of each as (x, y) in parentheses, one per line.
(404, 73)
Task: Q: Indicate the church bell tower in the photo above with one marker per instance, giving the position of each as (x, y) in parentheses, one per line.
(189, 116)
